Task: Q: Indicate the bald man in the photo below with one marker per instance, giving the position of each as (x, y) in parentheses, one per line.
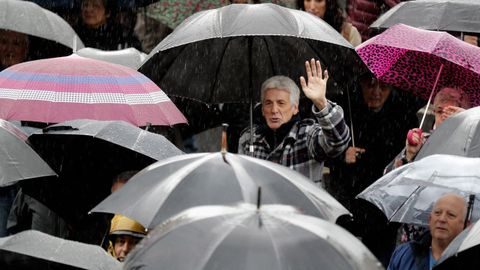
(445, 223)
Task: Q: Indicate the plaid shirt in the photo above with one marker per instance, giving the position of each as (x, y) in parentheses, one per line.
(307, 145)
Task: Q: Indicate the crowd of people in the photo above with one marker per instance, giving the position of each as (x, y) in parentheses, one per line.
(342, 135)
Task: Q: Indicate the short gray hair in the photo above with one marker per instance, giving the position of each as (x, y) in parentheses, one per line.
(455, 95)
(284, 83)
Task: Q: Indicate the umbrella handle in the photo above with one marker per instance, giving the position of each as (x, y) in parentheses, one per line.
(431, 95)
(471, 201)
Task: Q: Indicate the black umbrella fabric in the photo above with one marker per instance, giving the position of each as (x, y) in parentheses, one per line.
(443, 15)
(175, 184)
(246, 238)
(223, 55)
(36, 250)
(88, 154)
(18, 161)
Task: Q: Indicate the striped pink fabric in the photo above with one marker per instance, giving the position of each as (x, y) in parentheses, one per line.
(73, 87)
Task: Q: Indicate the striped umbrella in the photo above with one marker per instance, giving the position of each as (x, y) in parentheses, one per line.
(73, 87)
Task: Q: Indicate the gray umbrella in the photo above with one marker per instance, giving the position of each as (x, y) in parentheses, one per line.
(247, 238)
(18, 160)
(170, 186)
(444, 15)
(407, 194)
(463, 251)
(29, 18)
(458, 135)
(36, 250)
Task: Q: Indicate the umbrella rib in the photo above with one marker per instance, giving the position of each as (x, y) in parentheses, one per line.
(217, 72)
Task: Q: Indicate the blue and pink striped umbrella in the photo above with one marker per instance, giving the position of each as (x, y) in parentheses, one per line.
(73, 87)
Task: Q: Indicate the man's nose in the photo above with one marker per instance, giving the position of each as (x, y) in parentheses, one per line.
(274, 107)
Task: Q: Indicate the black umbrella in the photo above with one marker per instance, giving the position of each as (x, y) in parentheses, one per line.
(224, 55)
(36, 250)
(18, 161)
(445, 15)
(88, 154)
(221, 55)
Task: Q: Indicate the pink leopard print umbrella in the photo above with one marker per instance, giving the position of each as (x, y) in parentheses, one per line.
(411, 58)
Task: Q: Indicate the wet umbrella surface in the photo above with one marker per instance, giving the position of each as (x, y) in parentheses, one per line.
(175, 184)
(36, 250)
(247, 238)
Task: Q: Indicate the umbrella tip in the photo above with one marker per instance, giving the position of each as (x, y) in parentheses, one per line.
(223, 148)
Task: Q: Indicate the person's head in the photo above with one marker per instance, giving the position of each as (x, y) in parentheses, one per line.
(449, 97)
(95, 13)
(280, 96)
(13, 48)
(121, 179)
(447, 218)
(471, 39)
(125, 233)
(375, 93)
(327, 10)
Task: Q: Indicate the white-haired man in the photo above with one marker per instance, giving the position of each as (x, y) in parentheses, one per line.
(284, 138)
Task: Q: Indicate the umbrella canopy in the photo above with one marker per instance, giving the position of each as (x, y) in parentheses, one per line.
(244, 237)
(458, 135)
(174, 12)
(36, 250)
(29, 18)
(407, 194)
(417, 60)
(74, 87)
(227, 53)
(18, 160)
(444, 15)
(175, 184)
(89, 154)
(463, 251)
(129, 57)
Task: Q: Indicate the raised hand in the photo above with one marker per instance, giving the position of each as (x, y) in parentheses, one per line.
(316, 87)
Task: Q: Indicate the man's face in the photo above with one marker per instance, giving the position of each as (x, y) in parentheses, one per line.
(447, 218)
(93, 13)
(13, 48)
(277, 107)
(375, 93)
(123, 245)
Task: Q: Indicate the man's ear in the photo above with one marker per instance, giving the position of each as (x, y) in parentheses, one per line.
(295, 109)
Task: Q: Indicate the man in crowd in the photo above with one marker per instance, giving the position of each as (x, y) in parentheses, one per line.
(284, 138)
(445, 223)
(125, 233)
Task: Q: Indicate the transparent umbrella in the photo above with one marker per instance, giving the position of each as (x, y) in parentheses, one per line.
(244, 237)
(407, 194)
